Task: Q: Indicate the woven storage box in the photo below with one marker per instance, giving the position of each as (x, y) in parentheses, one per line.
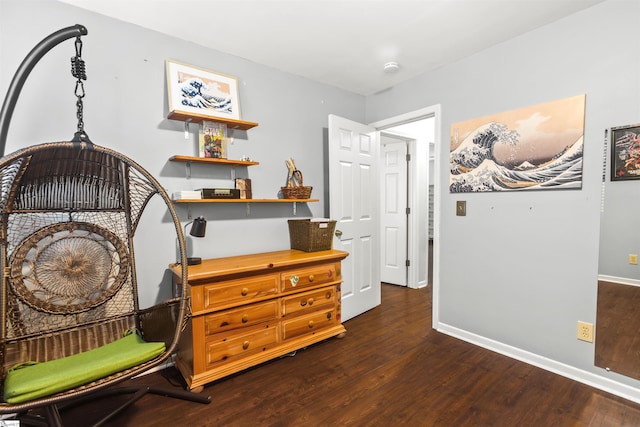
(311, 236)
(299, 192)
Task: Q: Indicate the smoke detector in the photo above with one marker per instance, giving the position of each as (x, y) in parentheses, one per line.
(391, 67)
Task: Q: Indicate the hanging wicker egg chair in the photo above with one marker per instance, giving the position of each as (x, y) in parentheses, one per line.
(70, 318)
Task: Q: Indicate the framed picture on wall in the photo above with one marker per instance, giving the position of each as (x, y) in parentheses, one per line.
(625, 152)
(537, 147)
(196, 90)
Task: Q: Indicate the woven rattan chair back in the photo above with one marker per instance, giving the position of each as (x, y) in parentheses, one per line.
(69, 212)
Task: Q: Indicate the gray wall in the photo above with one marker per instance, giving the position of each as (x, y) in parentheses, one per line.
(126, 109)
(520, 269)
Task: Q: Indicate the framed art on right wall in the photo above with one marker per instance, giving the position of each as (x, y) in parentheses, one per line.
(625, 152)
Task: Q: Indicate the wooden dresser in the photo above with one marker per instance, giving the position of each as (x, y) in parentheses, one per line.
(252, 308)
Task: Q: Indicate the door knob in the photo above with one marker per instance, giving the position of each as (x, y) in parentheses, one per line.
(338, 233)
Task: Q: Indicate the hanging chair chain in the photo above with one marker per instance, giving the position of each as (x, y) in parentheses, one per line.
(78, 70)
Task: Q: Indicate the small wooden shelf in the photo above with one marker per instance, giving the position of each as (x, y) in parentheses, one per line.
(198, 118)
(228, 162)
(245, 200)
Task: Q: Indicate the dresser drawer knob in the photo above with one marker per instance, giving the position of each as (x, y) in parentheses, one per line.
(245, 318)
(311, 277)
(310, 301)
(245, 345)
(303, 303)
(328, 295)
(310, 324)
(244, 292)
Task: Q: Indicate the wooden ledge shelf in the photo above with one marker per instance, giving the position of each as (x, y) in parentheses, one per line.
(209, 160)
(245, 200)
(249, 202)
(198, 118)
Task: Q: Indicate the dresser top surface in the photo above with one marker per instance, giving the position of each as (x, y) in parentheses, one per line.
(255, 263)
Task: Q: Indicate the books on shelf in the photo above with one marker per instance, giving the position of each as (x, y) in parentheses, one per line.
(186, 194)
(212, 141)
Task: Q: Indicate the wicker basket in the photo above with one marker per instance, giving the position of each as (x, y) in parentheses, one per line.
(295, 188)
(311, 236)
(299, 192)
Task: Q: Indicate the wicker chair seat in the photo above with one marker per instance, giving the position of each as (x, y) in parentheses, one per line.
(30, 381)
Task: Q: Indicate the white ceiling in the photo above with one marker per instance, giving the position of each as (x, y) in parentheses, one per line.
(343, 43)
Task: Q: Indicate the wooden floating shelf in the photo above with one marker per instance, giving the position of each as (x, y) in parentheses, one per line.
(199, 118)
(245, 200)
(228, 162)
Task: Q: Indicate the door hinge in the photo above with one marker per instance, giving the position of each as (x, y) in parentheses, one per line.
(408, 211)
(407, 263)
(408, 157)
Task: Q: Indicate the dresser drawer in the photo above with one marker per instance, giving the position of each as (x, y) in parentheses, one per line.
(309, 300)
(311, 276)
(235, 292)
(309, 323)
(240, 317)
(226, 348)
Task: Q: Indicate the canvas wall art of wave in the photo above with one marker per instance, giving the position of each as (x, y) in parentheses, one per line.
(533, 148)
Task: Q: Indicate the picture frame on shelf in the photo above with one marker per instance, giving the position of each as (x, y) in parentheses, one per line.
(195, 90)
(212, 140)
(625, 152)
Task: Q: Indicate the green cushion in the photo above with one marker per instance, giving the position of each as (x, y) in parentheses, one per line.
(28, 381)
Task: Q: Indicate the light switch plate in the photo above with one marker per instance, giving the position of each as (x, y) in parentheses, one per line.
(461, 208)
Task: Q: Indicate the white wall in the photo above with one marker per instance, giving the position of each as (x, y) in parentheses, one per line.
(520, 269)
(126, 109)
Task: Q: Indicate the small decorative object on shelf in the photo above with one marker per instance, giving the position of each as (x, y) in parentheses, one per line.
(212, 140)
(244, 186)
(295, 188)
(220, 193)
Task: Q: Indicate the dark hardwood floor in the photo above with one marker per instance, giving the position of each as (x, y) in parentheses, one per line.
(391, 369)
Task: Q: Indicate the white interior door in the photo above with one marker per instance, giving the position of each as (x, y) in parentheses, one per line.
(354, 204)
(393, 218)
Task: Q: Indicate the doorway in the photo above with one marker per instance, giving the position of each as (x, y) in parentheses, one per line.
(353, 162)
(394, 208)
(423, 224)
(410, 224)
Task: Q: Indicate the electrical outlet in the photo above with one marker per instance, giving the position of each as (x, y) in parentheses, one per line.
(633, 259)
(585, 331)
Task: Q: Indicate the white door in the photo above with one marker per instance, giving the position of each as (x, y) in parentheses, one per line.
(393, 218)
(354, 204)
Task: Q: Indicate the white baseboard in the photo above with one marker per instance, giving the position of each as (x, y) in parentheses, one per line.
(621, 280)
(585, 377)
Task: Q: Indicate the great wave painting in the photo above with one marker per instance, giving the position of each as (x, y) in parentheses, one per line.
(532, 148)
(196, 90)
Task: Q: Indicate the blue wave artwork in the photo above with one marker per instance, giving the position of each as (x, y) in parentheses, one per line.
(534, 154)
(197, 94)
